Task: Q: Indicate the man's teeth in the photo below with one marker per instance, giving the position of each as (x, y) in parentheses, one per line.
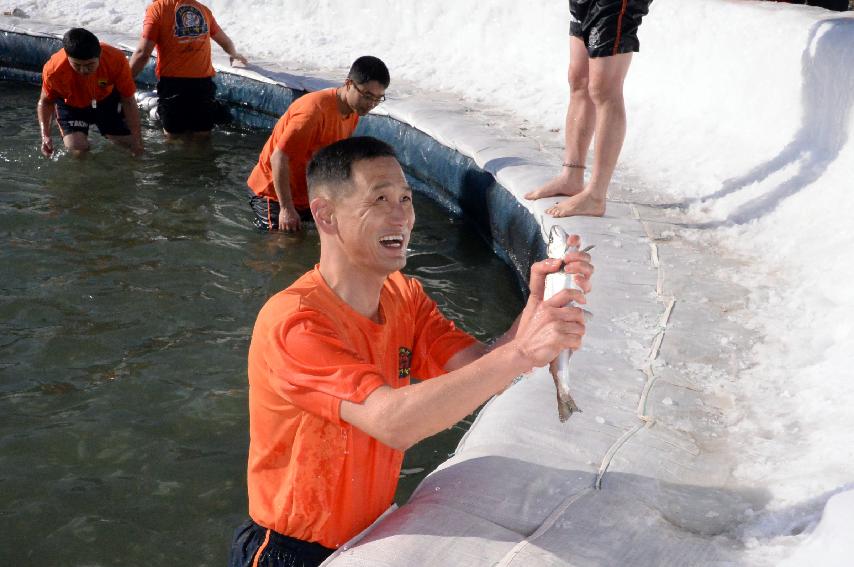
(396, 240)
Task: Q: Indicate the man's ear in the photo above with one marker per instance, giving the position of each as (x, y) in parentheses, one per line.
(323, 211)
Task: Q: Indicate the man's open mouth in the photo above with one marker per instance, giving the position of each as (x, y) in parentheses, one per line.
(392, 241)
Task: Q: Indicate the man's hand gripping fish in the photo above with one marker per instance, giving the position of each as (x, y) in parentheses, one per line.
(556, 282)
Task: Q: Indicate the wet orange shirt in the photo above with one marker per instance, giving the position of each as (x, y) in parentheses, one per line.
(61, 82)
(312, 476)
(311, 122)
(182, 31)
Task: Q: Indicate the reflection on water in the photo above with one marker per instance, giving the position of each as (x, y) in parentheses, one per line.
(128, 291)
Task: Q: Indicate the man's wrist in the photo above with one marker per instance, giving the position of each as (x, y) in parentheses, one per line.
(514, 357)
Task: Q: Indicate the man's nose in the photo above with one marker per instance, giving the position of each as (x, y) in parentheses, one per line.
(399, 212)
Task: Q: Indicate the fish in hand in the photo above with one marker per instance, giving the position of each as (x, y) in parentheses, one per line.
(560, 280)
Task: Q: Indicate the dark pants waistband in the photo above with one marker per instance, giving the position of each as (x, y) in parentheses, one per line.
(255, 543)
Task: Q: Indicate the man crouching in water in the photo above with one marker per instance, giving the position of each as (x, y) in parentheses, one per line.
(84, 83)
(331, 407)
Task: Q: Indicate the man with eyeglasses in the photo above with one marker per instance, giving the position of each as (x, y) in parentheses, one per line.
(277, 184)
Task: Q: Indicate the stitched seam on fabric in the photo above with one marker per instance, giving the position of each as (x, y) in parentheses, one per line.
(261, 549)
(620, 27)
(544, 527)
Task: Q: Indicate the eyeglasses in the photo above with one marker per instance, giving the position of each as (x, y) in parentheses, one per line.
(368, 96)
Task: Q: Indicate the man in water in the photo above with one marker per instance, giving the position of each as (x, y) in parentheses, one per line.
(603, 36)
(331, 406)
(84, 83)
(182, 31)
(277, 185)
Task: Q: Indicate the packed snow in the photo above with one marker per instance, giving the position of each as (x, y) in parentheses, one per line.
(739, 113)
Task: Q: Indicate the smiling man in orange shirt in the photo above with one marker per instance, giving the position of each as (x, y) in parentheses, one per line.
(331, 403)
(84, 83)
(278, 194)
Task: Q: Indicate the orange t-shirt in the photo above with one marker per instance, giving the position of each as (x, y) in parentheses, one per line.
(312, 122)
(312, 476)
(61, 82)
(182, 31)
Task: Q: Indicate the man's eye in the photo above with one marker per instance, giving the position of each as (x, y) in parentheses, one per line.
(406, 198)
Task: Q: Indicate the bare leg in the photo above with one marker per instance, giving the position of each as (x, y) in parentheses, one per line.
(201, 137)
(77, 143)
(123, 141)
(580, 121)
(607, 75)
(188, 137)
(172, 138)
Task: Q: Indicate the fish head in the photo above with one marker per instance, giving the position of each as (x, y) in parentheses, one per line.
(557, 242)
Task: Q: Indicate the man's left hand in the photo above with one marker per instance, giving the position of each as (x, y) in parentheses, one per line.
(237, 57)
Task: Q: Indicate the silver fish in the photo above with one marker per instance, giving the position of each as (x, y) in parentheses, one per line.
(555, 283)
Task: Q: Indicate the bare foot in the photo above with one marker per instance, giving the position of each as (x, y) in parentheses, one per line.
(583, 204)
(560, 185)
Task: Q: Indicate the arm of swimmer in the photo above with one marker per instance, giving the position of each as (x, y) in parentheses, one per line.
(401, 417)
(222, 39)
(577, 263)
(477, 350)
(45, 110)
(141, 56)
(288, 217)
(467, 356)
(132, 116)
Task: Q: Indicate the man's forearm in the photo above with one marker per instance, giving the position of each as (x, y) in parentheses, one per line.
(281, 178)
(132, 117)
(424, 409)
(225, 43)
(475, 351)
(137, 62)
(140, 57)
(45, 110)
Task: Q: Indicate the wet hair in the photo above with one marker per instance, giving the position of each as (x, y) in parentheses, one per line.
(81, 44)
(369, 68)
(332, 166)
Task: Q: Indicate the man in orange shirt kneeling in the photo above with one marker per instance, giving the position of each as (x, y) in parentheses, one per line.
(84, 83)
(331, 406)
(278, 194)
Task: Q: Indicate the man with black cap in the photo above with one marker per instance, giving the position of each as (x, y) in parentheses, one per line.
(88, 82)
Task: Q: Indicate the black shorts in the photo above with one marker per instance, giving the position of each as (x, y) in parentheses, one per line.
(267, 212)
(608, 27)
(187, 105)
(107, 116)
(273, 549)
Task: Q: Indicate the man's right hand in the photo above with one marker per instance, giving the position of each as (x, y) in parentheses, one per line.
(289, 220)
(136, 148)
(549, 326)
(47, 146)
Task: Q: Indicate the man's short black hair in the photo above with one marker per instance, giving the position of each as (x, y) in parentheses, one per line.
(332, 166)
(369, 68)
(81, 44)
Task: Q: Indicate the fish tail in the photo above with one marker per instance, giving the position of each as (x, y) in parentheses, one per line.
(566, 407)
